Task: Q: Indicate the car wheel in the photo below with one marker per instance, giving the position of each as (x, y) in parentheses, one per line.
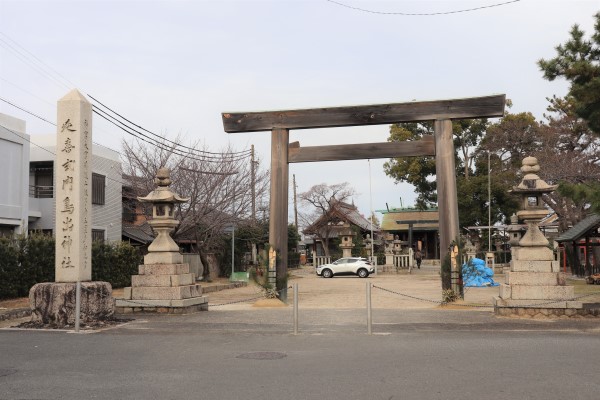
(326, 273)
(363, 273)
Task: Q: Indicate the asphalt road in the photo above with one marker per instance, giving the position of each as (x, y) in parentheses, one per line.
(413, 354)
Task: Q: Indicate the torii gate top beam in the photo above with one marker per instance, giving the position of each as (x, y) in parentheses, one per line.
(474, 107)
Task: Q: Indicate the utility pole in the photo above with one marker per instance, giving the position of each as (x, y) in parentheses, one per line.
(253, 190)
(253, 182)
(295, 202)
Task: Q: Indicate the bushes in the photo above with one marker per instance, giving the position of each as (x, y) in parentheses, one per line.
(26, 261)
(114, 263)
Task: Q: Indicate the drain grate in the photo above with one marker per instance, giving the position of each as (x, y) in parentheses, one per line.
(262, 355)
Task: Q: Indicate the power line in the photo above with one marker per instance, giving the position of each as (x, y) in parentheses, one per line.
(26, 58)
(152, 142)
(421, 14)
(169, 145)
(50, 122)
(58, 74)
(50, 151)
(28, 112)
(154, 134)
(146, 139)
(28, 92)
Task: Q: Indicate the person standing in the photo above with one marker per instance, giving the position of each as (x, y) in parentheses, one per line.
(418, 258)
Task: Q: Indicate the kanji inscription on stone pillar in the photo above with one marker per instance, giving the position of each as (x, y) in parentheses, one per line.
(73, 184)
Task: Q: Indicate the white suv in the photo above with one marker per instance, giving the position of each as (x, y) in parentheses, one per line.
(346, 266)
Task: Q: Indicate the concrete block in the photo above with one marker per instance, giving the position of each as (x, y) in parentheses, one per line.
(182, 279)
(525, 292)
(160, 293)
(530, 266)
(195, 290)
(555, 266)
(163, 257)
(142, 303)
(150, 280)
(127, 293)
(532, 278)
(534, 253)
(189, 302)
(505, 291)
(162, 280)
(574, 304)
(166, 269)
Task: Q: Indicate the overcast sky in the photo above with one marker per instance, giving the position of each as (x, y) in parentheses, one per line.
(174, 66)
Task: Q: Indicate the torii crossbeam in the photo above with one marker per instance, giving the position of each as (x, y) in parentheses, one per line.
(442, 112)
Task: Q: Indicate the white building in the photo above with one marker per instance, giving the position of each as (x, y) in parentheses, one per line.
(14, 179)
(27, 184)
(106, 189)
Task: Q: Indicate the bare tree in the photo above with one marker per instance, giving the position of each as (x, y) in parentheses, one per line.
(218, 185)
(571, 156)
(325, 210)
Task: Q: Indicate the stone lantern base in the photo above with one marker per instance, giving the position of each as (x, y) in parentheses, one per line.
(163, 288)
(53, 303)
(535, 287)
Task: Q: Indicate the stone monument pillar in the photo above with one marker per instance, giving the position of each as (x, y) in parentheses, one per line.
(54, 303)
(164, 283)
(534, 286)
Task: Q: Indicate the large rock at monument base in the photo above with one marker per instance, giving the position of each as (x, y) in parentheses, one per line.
(53, 303)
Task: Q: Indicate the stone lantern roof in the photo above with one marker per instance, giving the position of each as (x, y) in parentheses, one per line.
(162, 194)
(531, 182)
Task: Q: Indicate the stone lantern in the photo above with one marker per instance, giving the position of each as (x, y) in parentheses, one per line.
(534, 286)
(164, 283)
(163, 250)
(367, 243)
(531, 189)
(397, 249)
(346, 235)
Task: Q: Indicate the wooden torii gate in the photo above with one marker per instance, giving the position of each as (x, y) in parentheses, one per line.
(442, 112)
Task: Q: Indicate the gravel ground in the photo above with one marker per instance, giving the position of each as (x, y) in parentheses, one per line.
(349, 292)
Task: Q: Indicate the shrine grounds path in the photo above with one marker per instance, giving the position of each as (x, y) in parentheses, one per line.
(419, 290)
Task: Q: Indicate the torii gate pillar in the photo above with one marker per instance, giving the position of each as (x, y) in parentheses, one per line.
(446, 189)
(278, 208)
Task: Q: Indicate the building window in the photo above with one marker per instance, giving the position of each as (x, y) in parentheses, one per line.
(128, 210)
(43, 187)
(97, 235)
(98, 188)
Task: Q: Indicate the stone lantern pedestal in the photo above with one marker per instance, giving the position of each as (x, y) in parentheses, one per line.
(164, 283)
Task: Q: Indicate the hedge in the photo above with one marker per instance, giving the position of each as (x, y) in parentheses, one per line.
(25, 261)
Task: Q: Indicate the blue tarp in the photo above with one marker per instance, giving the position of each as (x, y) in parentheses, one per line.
(476, 274)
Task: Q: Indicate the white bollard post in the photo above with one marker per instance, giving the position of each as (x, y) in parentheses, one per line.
(295, 308)
(369, 314)
(77, 305)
